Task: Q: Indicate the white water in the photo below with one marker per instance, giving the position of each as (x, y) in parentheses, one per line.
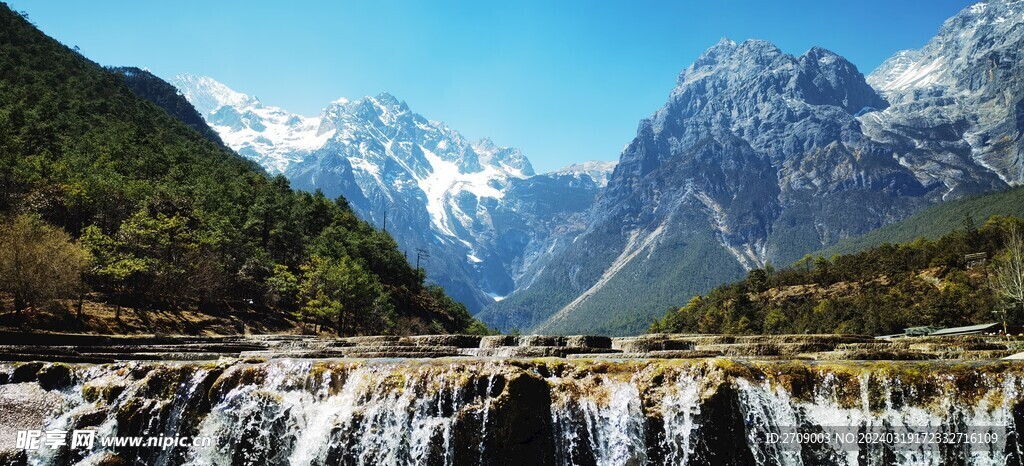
(773, 410)
(307, 413)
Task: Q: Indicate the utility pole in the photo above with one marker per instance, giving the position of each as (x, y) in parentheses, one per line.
(421, 254)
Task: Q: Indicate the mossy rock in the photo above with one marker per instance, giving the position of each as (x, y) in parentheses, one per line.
(520, 432)
(102, 389)
(26, 372)
(234, 377)
(55, 377)
(90, 418)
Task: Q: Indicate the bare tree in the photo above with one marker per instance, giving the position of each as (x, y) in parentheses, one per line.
(1007, 275)
(38, 262)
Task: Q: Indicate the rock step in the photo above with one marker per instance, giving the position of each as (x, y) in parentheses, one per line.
(390, 354)
(828, 339)
(294, 354)
(824, 339)
(977, 354)
(161, 356)
(878, 345)
(942, 339)
(743, 349)
(535, 351)
(498, 341)
(69, 358)
(658, 354)
(399, 349)
(190, 348)
(572, 341)
(879, 355)
(648, 343)
(458, 341)
(376, 340)
(957, 346)
(588, 341)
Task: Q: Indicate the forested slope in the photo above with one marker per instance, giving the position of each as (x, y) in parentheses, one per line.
(168, 216)
(878, 291)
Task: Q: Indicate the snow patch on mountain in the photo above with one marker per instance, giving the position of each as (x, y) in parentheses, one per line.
(598, 170)
(273, 137)
(446, 182)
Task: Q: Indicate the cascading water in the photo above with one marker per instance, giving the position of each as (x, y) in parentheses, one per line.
(545, 411)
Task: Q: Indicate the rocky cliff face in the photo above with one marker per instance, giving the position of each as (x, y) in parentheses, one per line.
(547, 412)
(960, 99)
(761, 157)
(477, 209)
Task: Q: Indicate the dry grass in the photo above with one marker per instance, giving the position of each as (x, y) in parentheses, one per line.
(99, 317)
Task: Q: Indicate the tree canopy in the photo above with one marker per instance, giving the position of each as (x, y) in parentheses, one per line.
(881, 290)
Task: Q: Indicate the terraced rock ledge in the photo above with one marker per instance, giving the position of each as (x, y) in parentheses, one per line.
(454, 411)
(106, 349)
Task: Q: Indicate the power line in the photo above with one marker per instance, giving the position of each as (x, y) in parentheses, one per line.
(421, 254)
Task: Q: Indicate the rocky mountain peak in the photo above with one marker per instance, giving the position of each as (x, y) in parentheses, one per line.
(761, 157)
(963, 91)
(758, 67)
(824, 77)
(509, 159)
(960, 58)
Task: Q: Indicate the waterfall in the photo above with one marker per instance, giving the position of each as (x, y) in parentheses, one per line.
(545, 411)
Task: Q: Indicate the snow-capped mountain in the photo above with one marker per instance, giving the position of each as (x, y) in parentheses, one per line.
(271, 136)
(478, 209)
(963, 91)
(761, 157)
(595, 170)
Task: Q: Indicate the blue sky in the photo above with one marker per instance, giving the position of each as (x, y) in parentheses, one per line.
(565, 81)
